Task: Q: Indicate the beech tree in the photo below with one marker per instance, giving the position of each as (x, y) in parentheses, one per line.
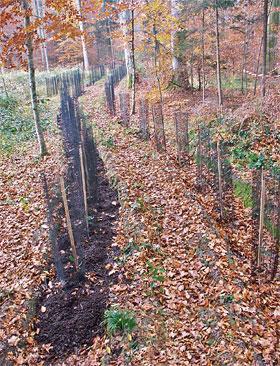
(39, 8)
(32, 81)
(180, 74)
(273, 32)
(83, 41)
(18, 44)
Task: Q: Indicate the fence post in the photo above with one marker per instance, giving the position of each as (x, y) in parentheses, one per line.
(84, 186)
(68, 222)
(52, 233)
(277, 233)
(261, 222)
(199, 159)
(220, 181)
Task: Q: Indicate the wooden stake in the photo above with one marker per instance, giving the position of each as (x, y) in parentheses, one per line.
(84, 186)
(68, 221)
(199, 159)
(85, 156)
(220, 180)
(261, 224)
(177, 116)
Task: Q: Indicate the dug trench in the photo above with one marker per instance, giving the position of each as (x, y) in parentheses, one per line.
(73, 316)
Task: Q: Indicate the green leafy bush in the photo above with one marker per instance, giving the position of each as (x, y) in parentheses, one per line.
(118, 320)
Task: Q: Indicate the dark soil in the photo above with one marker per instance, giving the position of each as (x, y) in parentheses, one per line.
(73, 315)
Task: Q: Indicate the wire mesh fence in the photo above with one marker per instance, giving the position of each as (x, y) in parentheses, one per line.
(124, 109)
(217, 176)
(144, 130)
(77, 189)
(159, 132)
(95, 74)
(265, 221)
(182, 135)
(114, 77)
(74, 80)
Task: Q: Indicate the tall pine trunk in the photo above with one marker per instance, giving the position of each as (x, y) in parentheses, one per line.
(32, 81)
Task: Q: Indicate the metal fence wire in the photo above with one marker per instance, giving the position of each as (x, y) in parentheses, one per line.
(124, 109)
(74, 79)
(78, 186)
(265, 221)
(262, 194)
(182, 135)
(144, 130)
(114, 77)
(159, 132)
(95, 74)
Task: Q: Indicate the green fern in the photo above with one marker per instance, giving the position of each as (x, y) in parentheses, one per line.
(117, 320)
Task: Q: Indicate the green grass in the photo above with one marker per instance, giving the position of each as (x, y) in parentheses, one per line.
(16, 117)
(243, 190)
(119, 321)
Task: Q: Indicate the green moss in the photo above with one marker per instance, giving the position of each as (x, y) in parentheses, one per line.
(243, 190)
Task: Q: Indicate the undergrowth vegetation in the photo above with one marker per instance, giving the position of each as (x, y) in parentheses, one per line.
(119, 321)
(16, 118)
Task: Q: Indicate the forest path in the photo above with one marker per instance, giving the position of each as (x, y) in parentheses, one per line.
(193, 302)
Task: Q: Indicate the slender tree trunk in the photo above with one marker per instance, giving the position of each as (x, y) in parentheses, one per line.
(273, 28)
(199, 78)
(218, 57)
(259, 58)
(111, 43)
(125, 19)
(191, 69)
(203, 54)
(156, 49)
(32, 80)
(265, 21)
(133, 104)
(44, 50)
(244, 63)
(180, 74)
(257, 67)
(83, 41)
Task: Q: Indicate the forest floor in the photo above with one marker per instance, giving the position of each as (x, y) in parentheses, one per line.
(165, 257)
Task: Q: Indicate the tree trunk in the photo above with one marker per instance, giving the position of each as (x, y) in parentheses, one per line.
(180, 74)
(265, 21)
(83, 41)
(218, 57)
(203, 54)
(32, 81)
(125, 18)
(112, 52)
(133, 103)
(273, 27)
(39, 8)
(257, 67)
(244, 63)
(156, 49)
